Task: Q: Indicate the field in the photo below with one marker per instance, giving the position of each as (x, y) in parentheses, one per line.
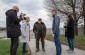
(79, 40)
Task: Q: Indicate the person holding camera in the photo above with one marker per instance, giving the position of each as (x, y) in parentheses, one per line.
(70, 33)
(13, 28)
(25, 28)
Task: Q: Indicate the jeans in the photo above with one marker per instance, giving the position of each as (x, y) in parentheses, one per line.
(70, 43)
(14, 46)
(57, 43)
(24, 47)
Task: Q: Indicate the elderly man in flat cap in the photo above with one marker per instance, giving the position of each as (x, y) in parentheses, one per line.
(40, 32)
(13, 28)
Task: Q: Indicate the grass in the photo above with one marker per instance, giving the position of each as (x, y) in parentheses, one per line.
(5, 48)
(79, 40)
(2, 37)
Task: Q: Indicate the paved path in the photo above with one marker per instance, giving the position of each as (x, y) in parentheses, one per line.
(50, 49)
(3, 34)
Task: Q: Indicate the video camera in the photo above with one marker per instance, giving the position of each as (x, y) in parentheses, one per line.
(22, 14)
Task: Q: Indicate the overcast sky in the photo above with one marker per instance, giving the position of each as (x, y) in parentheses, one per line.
(33, 8)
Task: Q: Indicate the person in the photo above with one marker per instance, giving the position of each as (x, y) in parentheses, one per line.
(56, 31)
(70, 33)
(25, 28)
(65, 24)
(13, 28)
(40, 32)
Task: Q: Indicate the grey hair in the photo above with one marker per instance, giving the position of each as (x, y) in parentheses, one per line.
(15, 8)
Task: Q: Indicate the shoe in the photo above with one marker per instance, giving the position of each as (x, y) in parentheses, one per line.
(70, 51)
(25, 52)
(37, 50)
(43, 50)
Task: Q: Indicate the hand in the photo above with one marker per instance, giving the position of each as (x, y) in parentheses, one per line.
(65, 26)
(36, 32)
(53, 32)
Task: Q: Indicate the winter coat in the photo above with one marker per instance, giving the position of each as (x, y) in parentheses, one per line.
(70, 29)
(36, 29)
(12, 24)
(25, 31)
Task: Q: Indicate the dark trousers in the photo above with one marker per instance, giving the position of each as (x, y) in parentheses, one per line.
(24, 47)
(38, 37)
(14, 46)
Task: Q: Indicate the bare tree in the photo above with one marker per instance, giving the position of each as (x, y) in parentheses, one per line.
(84, 13)
(66, 7)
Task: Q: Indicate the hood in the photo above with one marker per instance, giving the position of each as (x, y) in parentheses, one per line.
(8, 12)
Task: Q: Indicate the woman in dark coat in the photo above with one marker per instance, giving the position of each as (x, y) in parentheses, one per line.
(70, 32)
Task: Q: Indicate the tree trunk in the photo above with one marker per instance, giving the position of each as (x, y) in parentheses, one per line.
(84, 25)
(76, 27)
(84, 14)
(75, 24)
(75, 18)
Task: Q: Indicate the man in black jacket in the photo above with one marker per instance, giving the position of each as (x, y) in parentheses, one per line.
(13, 29)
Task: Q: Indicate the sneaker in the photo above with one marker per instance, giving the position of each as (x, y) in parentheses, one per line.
(70, 51)
(25, 52)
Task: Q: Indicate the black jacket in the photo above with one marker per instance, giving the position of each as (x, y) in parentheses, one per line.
(70, 29)
(12, 24)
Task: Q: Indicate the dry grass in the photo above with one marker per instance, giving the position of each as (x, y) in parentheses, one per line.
(79, 40)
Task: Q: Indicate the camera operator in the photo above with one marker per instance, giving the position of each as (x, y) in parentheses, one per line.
(13, 28)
